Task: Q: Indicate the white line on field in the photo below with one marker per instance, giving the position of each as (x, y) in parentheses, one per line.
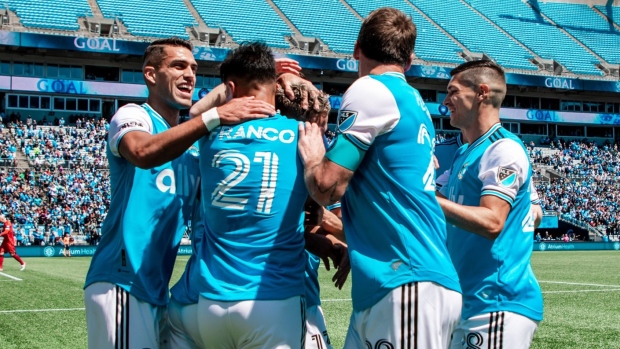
(576, 283)
(336, 300)
(37, 310)
(10, 276)
(579, 291)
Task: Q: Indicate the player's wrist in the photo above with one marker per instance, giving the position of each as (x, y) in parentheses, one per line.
(211, 119)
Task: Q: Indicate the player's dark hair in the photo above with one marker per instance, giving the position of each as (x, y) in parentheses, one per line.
(474, 73)
(387, 36)
(251, 62)
(155, 54)
(293, 108)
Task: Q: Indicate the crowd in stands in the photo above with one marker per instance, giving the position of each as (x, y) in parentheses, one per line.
(62, 146)
(44, 204)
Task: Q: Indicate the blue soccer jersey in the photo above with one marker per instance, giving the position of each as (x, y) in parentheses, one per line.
(394, 226)
(495, 275)
(185, 291)
(313, 290)
(253, 195)
(149, 210)
(444, 152)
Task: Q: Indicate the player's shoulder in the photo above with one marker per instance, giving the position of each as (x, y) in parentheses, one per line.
(367, 90)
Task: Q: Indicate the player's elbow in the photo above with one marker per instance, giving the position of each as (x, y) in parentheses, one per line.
(493, 229)
(143, 157)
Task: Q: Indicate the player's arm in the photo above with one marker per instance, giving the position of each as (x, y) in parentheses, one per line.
(147, 150)
(504, 169)
(536, 209)
(368, 110)
(332, 223)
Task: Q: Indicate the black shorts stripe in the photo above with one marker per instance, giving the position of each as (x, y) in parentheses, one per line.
(415, 318)
(118, 317)
(490, 331)
(402, 316)
(126, 318)
(302, 302)
(501, 331)
(496, 328)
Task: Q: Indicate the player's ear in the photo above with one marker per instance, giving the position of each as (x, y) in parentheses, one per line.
(483, 92)
(230, 89)
(408, 65)
(356, 51)
(149, 75)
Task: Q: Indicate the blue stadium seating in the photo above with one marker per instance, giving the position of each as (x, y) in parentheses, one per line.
(528, 26)
(153, 18)
(431, 44)
(50, 14)
(476, 33)
(329, 20)
(612, 12)
(240, 21)
(587, 26)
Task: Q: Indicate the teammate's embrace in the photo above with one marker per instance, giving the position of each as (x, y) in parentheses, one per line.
(252, 262)
(490, 223)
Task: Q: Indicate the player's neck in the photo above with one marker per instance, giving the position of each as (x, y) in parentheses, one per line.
(372, 67)
(480, 126)
(170, 114)
(265, 93)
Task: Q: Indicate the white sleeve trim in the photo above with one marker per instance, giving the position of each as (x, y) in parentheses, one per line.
(130, 117)
(372, 108)
(442, 179)
(504, 169)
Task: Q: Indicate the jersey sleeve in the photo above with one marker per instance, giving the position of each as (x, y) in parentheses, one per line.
(534, 198)
(442, 180)
(130, 117)
(504, 169)
(368, 110)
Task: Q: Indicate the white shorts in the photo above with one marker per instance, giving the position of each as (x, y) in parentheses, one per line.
(415, 315)
(117, 320)
(184, 329)
(494, 330)
(252, 324)
(316, 331)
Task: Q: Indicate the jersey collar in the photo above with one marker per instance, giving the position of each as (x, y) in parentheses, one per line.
(395, 74)
(484, 137)
(155, 114)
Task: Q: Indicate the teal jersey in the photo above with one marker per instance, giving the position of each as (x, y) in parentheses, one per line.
(185, 291)
(149, 211)
(444, 152)
(253, 195)
(313, 290)
(393, 224)
(495, 275)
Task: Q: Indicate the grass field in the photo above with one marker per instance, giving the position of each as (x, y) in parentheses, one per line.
(581, 292)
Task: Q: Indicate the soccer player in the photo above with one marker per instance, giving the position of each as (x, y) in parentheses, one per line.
(405, 289)
(154, 179)
(252, 269)
(487, 206)
(8, 243)
(445, 152)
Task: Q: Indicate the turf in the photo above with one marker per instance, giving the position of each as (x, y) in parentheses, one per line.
(581, 293)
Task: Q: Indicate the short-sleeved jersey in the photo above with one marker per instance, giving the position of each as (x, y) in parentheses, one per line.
(495, 275)
(149, 210)
(8, 233)
(444, 152)
(253, 195)
(394, 226)
(185, 291)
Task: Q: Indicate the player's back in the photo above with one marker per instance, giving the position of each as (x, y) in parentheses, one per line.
(253, 195)
(394, 226)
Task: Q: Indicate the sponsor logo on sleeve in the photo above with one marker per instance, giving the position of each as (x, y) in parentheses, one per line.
(346, 118)
(130, 124)
(506, 177)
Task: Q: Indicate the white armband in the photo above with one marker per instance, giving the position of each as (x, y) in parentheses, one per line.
(211, 119)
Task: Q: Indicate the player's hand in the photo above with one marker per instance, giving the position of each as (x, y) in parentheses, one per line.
(243, 109)
(343, 266)
(313, 213)
(310, 144)
(436, 162)
(310, 91)
(287, 65)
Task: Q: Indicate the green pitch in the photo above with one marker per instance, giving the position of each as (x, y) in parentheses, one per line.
(581, 290)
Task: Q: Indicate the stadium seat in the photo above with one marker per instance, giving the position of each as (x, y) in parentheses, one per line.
(587, 26)
(50, 14)
(240, 21)
(476, 33)
(329, 20)
(153, 18)
(523, 22)
(431, 44)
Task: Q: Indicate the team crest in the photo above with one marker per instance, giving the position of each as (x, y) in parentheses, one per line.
(193, 151)
(346, 118)
(506, 177)
(463, 170)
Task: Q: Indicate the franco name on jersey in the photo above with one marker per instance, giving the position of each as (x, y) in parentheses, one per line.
(253, 132)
